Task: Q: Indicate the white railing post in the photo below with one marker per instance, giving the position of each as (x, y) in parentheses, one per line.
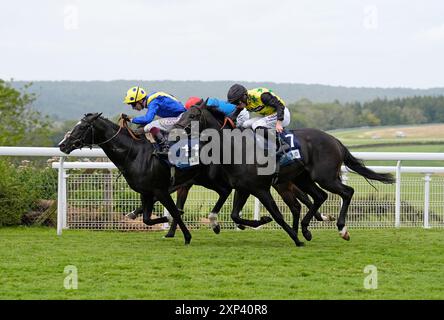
(257, 212)
(427, 179)
(257, 209)
(65, 200)
(166, 213)
(398, 196)
(344, 179)
(60, 195)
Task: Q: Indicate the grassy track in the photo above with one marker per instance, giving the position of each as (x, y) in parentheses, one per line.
(233, 265)
(422, 138)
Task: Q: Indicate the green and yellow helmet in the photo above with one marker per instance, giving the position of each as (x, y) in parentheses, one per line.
(134, 94)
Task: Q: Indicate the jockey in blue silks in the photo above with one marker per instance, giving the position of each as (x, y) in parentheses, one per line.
(227, 108)
(160, 104)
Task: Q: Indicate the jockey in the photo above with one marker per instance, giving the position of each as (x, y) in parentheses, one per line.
(160, 104)
(275, 115)
(226, 107)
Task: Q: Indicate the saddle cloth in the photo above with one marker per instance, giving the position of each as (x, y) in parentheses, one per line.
(184, 153)
(291, 155)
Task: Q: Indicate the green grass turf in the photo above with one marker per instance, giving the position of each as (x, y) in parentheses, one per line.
(250, 264)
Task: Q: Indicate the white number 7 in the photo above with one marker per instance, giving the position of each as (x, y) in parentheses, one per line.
(291, 138)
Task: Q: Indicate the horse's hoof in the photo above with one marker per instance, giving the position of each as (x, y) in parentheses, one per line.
(131, 215)
(300, 244)
(240, 226)
(216, 229)
(187, 242)
(307, 235)
(326, 217)
(265, 219)
(169, 235)
(344, 234)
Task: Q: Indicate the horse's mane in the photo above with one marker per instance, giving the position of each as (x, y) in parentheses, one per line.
(219, 115)
(100, 117)
(141, 137)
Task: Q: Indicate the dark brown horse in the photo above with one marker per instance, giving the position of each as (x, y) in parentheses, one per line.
(322, 154)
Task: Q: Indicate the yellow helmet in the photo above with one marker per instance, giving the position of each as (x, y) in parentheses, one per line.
(134, 94)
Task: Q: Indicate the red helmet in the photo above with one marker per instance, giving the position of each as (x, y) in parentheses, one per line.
(191, 102)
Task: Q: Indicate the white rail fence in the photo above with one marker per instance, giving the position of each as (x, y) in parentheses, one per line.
(97, 200)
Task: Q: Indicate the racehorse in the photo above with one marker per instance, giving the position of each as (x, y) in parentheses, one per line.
(145, 173)
(322, 158)
(150, 176)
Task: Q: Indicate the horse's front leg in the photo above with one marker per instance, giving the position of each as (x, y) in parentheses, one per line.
(223, 193)
(166, 200)
(147, 205)
(285, 190)
(319, 197)
(239, 200)
(138, 211)
(182, 195)
(135, 213)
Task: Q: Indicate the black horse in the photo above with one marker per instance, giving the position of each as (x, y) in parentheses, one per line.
(322, 156)
(150, 176)
(145, 173)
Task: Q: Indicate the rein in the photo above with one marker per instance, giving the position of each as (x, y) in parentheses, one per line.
(227, 120)
(115, 135)
(230, 121)
(122, 124)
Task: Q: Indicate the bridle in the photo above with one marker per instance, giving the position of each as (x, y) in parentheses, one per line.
(80, 142)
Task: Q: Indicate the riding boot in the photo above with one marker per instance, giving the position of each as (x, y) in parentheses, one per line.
(264, 134)
(161, 141)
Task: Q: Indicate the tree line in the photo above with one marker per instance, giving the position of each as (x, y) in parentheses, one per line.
(65, 100)
(378, 112)
(22, 125)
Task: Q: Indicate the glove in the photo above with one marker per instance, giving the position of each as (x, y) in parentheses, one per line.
(139, 131)
(125, 117)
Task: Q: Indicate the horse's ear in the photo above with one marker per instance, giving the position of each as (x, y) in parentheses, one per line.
(203, 104)
(96, 116)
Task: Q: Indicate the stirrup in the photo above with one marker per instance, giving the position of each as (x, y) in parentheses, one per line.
(284, 147)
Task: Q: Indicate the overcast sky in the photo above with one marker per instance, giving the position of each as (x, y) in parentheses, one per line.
(387, 43)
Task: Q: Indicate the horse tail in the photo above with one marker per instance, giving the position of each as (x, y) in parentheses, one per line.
(358, 166)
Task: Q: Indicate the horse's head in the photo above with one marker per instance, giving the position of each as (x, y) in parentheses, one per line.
(81, 135)
(206, 116)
